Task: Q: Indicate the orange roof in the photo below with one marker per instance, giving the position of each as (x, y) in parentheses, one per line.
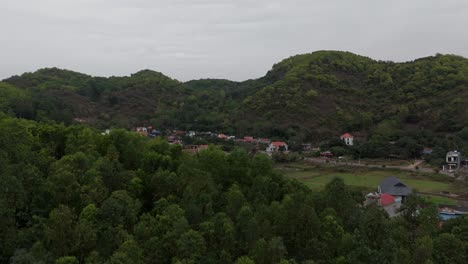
(248, 139)
(346, 135)
(278, 143)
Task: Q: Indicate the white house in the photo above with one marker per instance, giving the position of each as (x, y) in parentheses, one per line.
(347, 138)
(142, 131)
(453, 160)
(277, 146)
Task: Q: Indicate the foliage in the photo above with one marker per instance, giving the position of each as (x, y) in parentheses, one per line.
(398, 107)
(112, 202)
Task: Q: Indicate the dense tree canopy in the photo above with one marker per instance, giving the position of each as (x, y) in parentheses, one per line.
(72, 195)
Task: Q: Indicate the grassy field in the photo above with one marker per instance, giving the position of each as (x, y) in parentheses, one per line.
(317, 177)
(440, 200)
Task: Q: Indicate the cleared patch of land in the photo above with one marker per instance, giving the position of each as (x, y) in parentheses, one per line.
(316, 177)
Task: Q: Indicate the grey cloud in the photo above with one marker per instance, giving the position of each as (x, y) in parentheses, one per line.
(242, 39)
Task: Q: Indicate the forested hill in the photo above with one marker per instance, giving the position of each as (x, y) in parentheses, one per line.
(306, 97)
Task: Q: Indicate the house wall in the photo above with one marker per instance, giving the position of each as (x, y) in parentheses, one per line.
(348, 141)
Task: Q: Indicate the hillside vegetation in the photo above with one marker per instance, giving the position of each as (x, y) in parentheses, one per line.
(305, 98)
(70, 194)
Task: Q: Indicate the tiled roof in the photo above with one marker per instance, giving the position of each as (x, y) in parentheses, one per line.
(278, 143)
(393, 186)
(346, 135)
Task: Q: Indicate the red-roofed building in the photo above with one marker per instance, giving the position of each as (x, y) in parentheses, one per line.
(277, 146)
(388, 202)
(386, 199)
(347, 138)
(248, 139)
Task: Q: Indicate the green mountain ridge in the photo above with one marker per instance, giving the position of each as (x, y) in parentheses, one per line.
(308, 97)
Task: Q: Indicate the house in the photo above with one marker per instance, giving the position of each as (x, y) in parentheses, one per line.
(347, 138)
(394, 187)
(248, 139)
(386, 201)
(154, 133)
(426, 151)
(277, 146)
(391, 194)
(178, 133)
(326, 154)
(453, 160)
(174, 140)
(142, 131)
(306, 147)
(222, 136)
(190, 134)
(106, 132)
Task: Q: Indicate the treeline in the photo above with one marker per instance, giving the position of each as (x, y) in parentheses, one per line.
(71, 195)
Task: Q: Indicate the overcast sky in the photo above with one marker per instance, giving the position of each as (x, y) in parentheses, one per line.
(232, 39)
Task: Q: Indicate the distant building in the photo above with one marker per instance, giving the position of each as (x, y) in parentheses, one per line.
(154, 133)
(347, 138)
(326, 154)
(178, 133)
(427, 151)
(142, 131)
(106, 132)
(277, 146)
(388, 202)
(80, 120)
(248, 139)
(222, 136)
(391, 194)
(448, 211)
(393, 186)
(306, 147)
(453, 160)
(263, 141)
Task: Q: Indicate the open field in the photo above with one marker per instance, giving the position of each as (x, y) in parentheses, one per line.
(316, 177)
(440, 200)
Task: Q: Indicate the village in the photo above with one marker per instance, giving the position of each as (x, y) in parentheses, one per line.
(188, 139)
(194, 141)
(390, 194)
